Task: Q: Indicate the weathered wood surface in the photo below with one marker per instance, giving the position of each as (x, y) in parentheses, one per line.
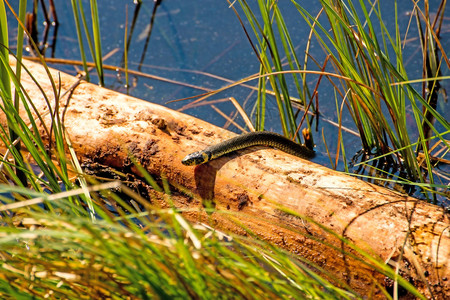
(105, 126)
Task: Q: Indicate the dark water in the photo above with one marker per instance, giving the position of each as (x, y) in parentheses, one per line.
(201, 43)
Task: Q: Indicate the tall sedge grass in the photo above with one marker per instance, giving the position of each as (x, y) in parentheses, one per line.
(4, 53)
(374, 86)
(76, 15)
(64, 235)
(93, 39)
(270, 55)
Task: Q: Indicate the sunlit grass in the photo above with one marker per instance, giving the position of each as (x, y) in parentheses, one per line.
(140, 254)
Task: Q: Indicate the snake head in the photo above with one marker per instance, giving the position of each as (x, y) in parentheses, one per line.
(196, 158)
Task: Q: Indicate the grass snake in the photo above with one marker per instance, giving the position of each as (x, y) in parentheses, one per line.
(259, 138)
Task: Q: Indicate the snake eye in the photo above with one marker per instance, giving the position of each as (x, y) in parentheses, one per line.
(193, 159)
(189, 160)
(196, 158)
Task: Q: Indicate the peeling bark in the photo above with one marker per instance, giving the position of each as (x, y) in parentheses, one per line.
(105, 127)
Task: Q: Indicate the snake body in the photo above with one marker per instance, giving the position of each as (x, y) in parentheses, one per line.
(259, 138)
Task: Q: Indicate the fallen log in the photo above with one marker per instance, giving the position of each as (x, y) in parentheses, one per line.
(106, 127)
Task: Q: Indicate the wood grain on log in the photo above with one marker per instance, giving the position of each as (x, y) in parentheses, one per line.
(106, 126)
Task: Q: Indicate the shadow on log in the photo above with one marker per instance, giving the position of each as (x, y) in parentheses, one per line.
(250, 187)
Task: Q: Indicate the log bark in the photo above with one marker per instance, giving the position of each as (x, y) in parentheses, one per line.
(105, 127)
